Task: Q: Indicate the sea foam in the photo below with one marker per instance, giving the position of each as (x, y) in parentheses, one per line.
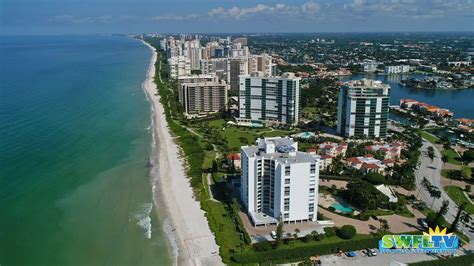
(143, 218)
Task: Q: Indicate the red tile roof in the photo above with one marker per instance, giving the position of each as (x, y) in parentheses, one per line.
(370, 166)
(354, 160)
(233, 156)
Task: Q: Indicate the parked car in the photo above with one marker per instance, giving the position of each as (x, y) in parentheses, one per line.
(423, 222)
(351, 254)
(371, 252)
(273, 234)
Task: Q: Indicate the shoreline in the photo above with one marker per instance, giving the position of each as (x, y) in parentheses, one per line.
(185, 224)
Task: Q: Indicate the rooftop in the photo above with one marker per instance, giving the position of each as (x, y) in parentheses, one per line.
(283, 150)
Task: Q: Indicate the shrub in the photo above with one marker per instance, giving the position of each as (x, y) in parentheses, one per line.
(263, 245)
(331, 209)
(346, 232)
(307, 238)
(330, 231)
(364, 216)
(376, 178)
(304, 252)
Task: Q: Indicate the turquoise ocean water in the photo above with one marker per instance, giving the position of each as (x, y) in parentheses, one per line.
(74, 153)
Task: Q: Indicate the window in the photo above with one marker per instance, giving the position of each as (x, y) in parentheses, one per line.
(313, 169)
(286, 215)
(287, 191)
(287, 201)
(311, 190)
(287, 208)
(287, 181)
(287, 170)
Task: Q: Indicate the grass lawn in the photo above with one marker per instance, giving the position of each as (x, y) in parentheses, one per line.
(454, 158)
(241, 136)
(326, 240)
(429, 137)
(458, 196)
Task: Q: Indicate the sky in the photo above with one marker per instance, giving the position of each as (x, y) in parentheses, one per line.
(220, 16)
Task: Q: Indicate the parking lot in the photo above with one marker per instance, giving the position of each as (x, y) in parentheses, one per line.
(379, 260)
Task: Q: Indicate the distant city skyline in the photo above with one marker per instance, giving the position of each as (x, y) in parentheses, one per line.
(213, 16)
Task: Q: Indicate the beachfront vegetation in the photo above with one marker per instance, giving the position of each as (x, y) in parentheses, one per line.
(302, 251)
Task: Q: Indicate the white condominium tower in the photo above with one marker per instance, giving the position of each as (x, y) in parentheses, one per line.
(363, 109)
(269, 100)
(277, 180)
(179, 66)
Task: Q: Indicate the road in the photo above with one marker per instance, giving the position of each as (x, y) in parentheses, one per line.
(431, 169)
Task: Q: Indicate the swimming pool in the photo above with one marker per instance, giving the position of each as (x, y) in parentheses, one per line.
(342, 207)
(305, 135)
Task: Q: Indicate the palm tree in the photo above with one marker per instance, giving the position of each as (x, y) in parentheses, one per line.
(445, 159)
(458, 216)
(431, 152)
(435, 194)
(297, 231)
(384, 226)
(465, 218)
(442, 211)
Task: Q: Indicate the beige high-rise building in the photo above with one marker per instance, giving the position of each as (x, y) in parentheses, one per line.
(261, 63)
(204, 98)
(235, 68)
(179, 66)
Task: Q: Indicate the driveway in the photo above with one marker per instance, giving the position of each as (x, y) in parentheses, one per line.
(431, 169)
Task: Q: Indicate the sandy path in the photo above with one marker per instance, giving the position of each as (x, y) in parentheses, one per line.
(189, 230)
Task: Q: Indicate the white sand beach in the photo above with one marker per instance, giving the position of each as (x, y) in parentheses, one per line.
(189, 233)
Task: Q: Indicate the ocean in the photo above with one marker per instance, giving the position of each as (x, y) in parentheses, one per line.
(75, 147)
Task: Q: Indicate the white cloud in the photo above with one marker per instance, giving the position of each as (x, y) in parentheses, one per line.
(310, 7)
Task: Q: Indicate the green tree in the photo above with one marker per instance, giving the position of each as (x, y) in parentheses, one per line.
(445, 159)
(468, 156)
(346, 232)
(376, 178)
(215, 167)
(454, 225)
(431, 153)
(384, 226)
(263, 245)
(465, 218)
(297, 231)
(279, 232)
(442, 211)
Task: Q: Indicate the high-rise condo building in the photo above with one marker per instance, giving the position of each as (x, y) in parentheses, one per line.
(363, 109)
(235, 68)
(179, 66)
(279, 182)
(215, 66)
(194, 79)
(269, 100)
(261, 63)
(203, 98)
